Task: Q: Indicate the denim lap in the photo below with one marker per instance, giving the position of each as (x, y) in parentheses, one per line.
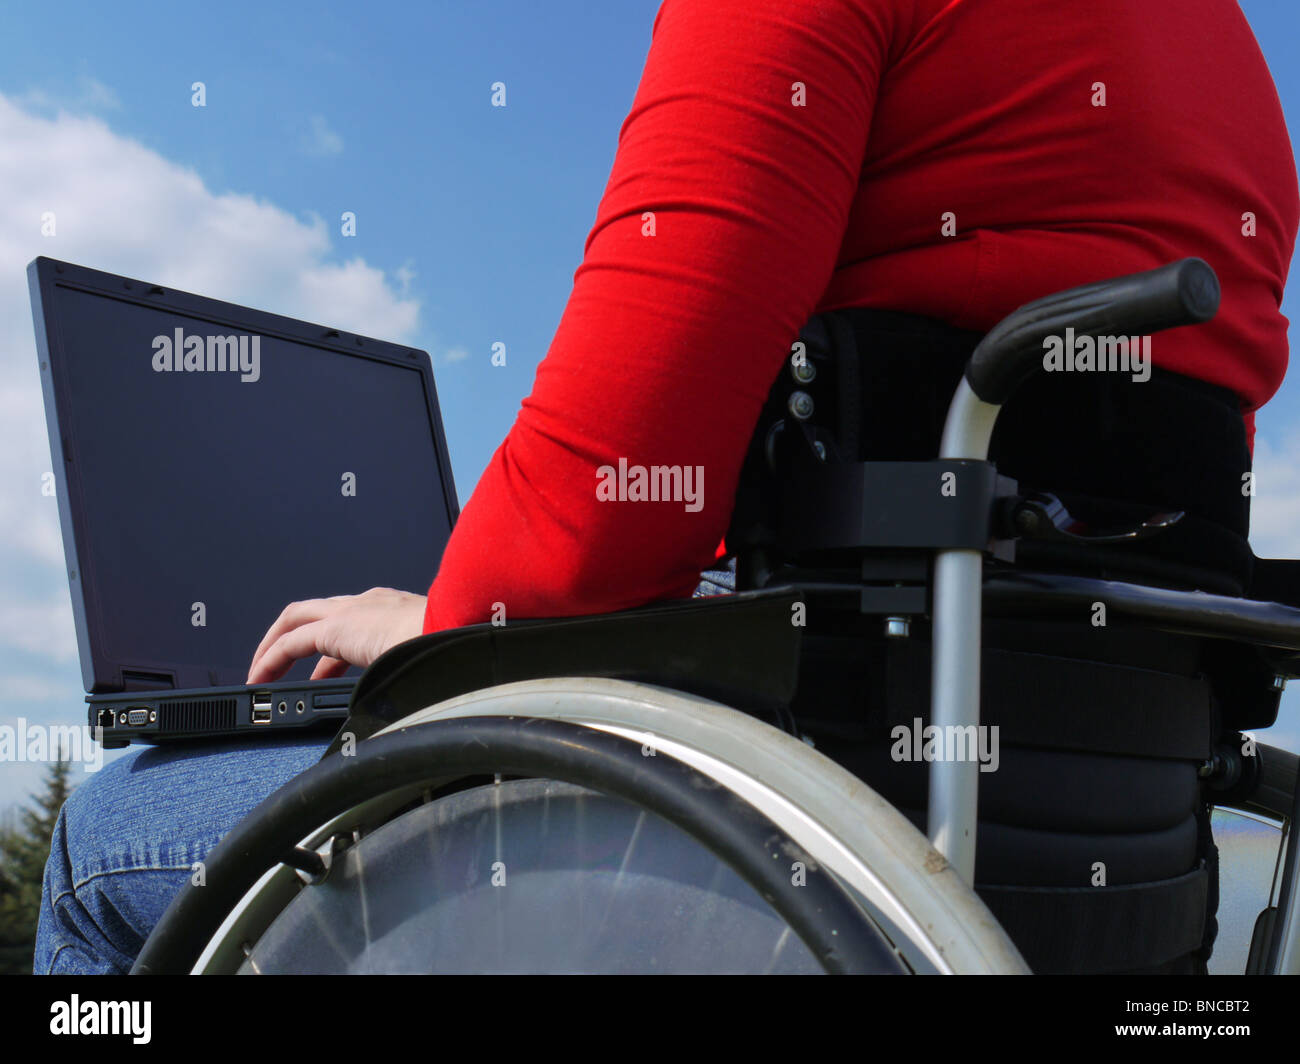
(127, 840)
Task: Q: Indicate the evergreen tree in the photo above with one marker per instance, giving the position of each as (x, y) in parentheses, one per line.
(23, 852)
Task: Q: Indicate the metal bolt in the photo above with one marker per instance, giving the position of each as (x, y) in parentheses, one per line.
(804, 371)
(1215, 766)
(1027, 521)
(897, 627)
(801, 405)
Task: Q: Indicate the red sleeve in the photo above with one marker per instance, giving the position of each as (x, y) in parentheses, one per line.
(716, 237)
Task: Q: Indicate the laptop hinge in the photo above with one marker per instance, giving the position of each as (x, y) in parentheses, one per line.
(139, 680)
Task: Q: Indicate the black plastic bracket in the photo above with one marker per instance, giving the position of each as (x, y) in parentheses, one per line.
(938, 505)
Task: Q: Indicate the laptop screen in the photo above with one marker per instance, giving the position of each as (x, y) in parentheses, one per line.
(220, 465)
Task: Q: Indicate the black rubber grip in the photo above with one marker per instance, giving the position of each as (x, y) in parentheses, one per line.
(1182, 293)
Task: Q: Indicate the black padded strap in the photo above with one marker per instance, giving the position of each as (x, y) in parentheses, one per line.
(1172, 914)
(1066, 703)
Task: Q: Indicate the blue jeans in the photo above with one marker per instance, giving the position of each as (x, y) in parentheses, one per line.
(127, 839)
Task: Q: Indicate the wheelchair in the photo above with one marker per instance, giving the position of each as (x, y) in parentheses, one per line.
(633, 792)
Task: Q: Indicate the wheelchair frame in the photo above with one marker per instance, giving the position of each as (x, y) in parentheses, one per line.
(531, 671)
(1182, 293)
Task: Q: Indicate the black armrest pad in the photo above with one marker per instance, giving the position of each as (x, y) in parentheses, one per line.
(741, 649)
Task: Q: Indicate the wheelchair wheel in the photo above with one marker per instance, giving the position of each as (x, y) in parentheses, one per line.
(531, 876)
(652, 831)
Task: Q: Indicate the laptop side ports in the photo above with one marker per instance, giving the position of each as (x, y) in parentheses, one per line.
(261, 707)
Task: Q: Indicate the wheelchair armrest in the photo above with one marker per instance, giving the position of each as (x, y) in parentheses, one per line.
(742, 650)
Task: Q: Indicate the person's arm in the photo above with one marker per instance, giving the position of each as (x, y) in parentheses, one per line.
(716, 236)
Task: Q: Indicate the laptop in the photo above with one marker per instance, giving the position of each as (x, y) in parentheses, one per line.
(212, 464)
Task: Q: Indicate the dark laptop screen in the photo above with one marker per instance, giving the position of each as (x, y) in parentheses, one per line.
(209, 497)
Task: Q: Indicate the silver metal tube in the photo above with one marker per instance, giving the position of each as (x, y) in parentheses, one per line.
(955, 654)
(955, 706)
(969, 425)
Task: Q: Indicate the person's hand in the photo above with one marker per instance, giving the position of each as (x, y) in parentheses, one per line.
(346, 630)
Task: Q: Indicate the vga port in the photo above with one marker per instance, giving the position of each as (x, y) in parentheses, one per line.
(137, 718)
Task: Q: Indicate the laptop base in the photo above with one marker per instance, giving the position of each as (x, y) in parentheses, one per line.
(215, 712)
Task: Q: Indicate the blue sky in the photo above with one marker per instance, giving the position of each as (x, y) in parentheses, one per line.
(470, 219)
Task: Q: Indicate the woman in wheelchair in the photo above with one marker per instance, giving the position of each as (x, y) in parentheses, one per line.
(816, 213)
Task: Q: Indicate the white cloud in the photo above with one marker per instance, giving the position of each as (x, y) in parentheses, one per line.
(453, 354)
(404, 274)
(84, 94)
(1275, 509)
(123, 208)
(96, 95)
(320, 140)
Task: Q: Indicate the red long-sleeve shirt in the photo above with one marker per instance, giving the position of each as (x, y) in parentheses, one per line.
(788, 156)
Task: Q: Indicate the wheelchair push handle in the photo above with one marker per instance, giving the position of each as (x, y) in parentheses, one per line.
(1181, 293)
(1185, 292)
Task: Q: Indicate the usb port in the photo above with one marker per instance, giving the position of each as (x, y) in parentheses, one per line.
(262, 707)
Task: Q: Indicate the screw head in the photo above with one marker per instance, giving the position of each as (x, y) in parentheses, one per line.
(804, 372)
(801, 405)
(1027, 521)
